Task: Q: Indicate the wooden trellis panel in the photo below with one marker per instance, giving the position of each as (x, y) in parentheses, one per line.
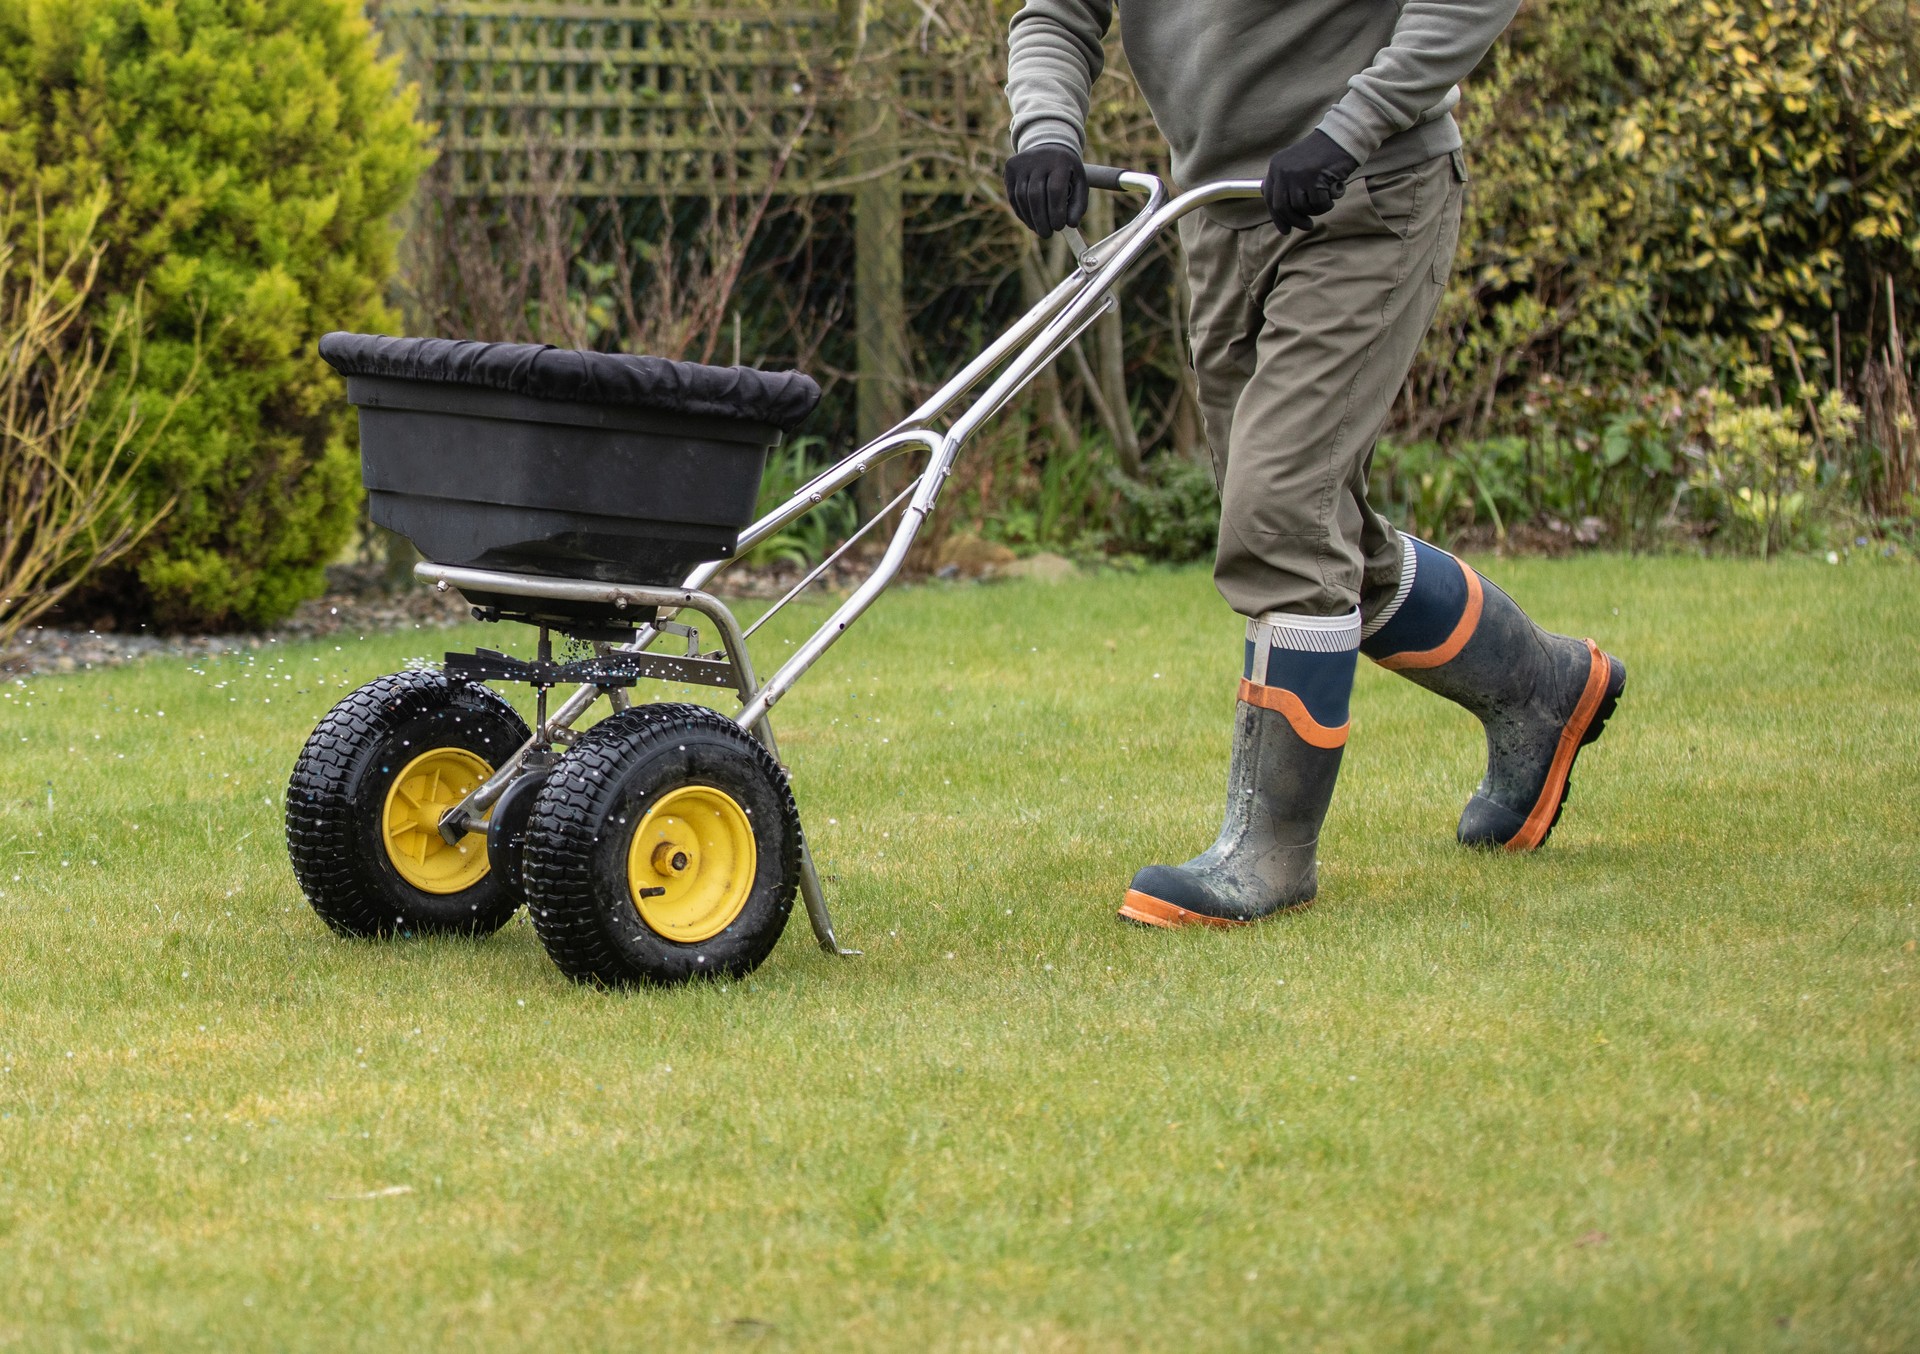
(641, 97)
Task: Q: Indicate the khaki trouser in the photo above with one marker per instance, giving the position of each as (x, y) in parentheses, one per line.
(1301, 343)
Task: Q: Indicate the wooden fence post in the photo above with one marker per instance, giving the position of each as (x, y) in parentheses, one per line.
(879, 290)
(879, 294)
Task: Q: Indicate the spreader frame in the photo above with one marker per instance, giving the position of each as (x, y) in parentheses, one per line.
(1021, 353)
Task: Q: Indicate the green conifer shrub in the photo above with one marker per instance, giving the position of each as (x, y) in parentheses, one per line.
(253, 154)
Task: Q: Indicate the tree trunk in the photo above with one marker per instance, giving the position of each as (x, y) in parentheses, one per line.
(1189, 431)
(1110, 358)
(879, 295)
(1046, 386)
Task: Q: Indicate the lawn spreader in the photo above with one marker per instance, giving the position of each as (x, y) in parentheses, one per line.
(569, 491)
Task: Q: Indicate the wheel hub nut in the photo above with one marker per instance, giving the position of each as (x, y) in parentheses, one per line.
(670, 859)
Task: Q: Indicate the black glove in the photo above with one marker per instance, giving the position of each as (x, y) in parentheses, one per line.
(1304, 180)
(1047, 188)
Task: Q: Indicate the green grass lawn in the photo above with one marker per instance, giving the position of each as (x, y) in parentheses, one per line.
(1654, 1087)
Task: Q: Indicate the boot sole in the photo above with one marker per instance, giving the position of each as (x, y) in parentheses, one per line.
(1606, 682)
(1143, 909)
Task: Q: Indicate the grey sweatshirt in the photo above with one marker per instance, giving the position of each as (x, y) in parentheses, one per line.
(1232, 81)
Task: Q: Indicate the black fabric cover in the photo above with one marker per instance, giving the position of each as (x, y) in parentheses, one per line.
(782, 398)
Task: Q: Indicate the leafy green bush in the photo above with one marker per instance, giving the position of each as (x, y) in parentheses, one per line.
(1424, 488)
(1757, 464)
(1668, 193)
(1055, 499)
(1174, 513)
(253, 154)
(1751, 473)
(1671, 198)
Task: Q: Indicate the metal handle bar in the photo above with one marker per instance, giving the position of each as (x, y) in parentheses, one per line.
(1102, 270)
(1044, 331)
(1095, 280)
(892, 443)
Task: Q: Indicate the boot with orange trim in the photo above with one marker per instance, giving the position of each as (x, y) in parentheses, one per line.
(1541, 696)
(1288, 736)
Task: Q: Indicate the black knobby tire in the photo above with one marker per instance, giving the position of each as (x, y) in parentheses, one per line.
(337, 796)
(575, 862)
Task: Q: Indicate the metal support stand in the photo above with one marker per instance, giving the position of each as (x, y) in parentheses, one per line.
(816, 902)
(810, 890)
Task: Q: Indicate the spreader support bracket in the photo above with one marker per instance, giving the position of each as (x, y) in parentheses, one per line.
(607, 671)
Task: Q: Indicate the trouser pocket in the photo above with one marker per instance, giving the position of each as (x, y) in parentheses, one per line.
(1451, 212)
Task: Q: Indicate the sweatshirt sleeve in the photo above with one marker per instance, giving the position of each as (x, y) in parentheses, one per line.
(1054, 55)
(1435, 45)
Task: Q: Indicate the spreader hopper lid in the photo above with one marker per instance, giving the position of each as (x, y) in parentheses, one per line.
(780, 398)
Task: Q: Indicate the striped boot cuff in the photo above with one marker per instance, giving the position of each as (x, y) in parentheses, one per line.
(1304, 634)
(1409, 565)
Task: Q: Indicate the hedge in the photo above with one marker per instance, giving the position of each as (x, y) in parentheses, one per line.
(254, 153)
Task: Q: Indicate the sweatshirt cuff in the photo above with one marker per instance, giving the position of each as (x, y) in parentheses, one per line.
(1048, 132)
(1352, 130)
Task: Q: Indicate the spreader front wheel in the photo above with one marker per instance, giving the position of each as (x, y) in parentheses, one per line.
(367, 795)
(664, 846)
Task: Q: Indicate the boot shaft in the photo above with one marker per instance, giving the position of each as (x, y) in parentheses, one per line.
(1452, 631)
(1279, 783)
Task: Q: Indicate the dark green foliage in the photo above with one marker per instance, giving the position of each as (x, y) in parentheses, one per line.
(1668, 198)
(1618, 455)
(1174, 513)
(1672, 192)
(806, 541)
(253, 154)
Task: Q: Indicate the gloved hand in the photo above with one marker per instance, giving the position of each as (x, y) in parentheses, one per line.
(1047, 188)
(1304, 180)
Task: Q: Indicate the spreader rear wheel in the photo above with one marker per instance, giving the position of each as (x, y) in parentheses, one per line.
(664, 846)
(366, 798)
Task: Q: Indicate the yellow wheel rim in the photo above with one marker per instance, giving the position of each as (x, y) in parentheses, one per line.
(425, 789)
(691, 863)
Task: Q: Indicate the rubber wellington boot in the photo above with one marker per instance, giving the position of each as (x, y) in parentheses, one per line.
(1541, 696)
(1290, 729)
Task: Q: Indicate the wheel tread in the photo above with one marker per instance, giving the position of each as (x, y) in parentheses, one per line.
(319, 820)
(561, 836)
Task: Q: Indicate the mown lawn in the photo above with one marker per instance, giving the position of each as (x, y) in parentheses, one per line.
(1655, 1087)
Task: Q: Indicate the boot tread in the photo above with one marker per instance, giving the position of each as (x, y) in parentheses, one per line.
(1146, 910)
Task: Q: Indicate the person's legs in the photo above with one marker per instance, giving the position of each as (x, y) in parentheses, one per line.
(1301, 343)
(1343, 310)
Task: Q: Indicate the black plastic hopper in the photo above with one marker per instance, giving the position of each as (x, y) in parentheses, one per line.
(532, 459)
